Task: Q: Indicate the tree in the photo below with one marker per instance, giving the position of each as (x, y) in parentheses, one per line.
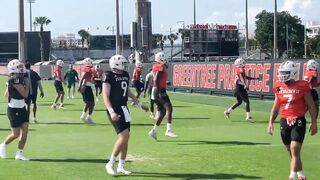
(313, 46)
(158, 40)
(264, 33)
(85, 36)
(40, 21)
(172, 37)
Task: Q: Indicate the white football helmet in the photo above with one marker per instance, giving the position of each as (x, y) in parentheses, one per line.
(287, 71)
(312, 65)
(59, 63)
(87, 62)
(239, 62)
(16, 66)
(160, 58)
(139, 64)
(118, 62)
(97, 66)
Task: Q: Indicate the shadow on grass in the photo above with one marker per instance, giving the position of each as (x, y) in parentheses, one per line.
(1, 114)
(182, 142)
(193, 175)
(49, 104)
(191, 118)
(182, 106)
(10, 129)
(255, 122)
(73, 160)
(72, 123)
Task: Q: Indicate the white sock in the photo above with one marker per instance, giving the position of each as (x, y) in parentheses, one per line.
(121, 163)
(19, 151)
(292, 174)
(248, 114)
(155, 127)
(3, 144)
(83, 113)
(168, 126)
(300, 174)
(230, 110)
(112, 159)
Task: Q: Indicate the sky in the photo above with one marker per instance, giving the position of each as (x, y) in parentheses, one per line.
(69, 16)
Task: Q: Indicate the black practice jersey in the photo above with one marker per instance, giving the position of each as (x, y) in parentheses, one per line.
(13, 92)
(119, 87)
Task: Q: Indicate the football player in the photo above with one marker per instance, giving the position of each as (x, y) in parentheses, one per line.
(17, 90)
(58, 80)
(98, 73)
(159, 94)
(293, 99)
(71, 76)
(115, 92)
(136, 79)
(241, 90)
(148, 87)
(312, 77)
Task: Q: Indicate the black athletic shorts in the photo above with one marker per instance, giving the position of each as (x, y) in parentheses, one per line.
(98, 84)
(71, 84)
(138, 85)
(17, 116)
(241, 93)
(295, 132)
(315, 95)
(87, 94)
(121, 124)
(58, 86)
(163, 99)
(31, 99)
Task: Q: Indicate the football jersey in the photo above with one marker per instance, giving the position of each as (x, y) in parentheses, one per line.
(240, 72)
(13, 92)
(136, 74)
(312, 77)
(291, 98)
(88, 69)
(158, 67)
(119, 87)
(71, 75)
(98, 74)
(57, 74)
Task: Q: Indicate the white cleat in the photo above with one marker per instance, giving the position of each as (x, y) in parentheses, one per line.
(72, 97)
(35, 121)
(123, 171)
(3, 152)
(68, 97)
(61, 106)
(97, 99)
(170, 133)
(249, 119)
(151, 116)
(54, 107)
(83, 118)
(109, 169)
(226, 114)
(152, 133)
(20, 156)
(89, 120)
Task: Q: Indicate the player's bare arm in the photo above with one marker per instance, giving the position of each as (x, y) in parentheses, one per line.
(137, 102)
(274, 114)
(313, 113)
(106, 87)
(83, 79)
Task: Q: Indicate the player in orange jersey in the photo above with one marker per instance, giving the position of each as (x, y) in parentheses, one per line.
(293, 99)
(159, 94)
(136, 79)
(311, 76)
(241, 90)
(58, 80)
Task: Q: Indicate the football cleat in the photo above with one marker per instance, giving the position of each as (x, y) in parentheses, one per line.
(290, 178)
(61, 106)
(153, 133)
(123, 171)
(170, 133)
(54, 107)
(83, 118)
(20, 156)
(68, 97)
(72, 97)
(227, 114)
(302, 178)
(249, 119)
(109, 169)
(35, 121)
(151, 116)
(3, 152)
(89, 120)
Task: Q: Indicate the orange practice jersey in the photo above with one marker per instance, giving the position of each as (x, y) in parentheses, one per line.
(98, 74)
(136, 74)
(57, 74)
(163, 78)
(240, 72)
(90, 71)
(312, 77)
(292, 103)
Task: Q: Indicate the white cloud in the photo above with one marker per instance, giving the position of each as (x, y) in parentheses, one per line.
(292, 5)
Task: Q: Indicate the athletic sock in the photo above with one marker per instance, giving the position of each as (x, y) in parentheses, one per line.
(229, 110)
(168, 126)
(19, 151)
(83, 113)
(292, 174)
(155, 127)
(248, 114)
(112, 159)
(121, 163)
(3, 144)
(300, 174)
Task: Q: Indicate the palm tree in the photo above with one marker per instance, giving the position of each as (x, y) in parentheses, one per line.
(85, 36)
(40, 21)
(172, 37)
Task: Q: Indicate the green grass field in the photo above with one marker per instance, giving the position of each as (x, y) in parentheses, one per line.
(208, 145)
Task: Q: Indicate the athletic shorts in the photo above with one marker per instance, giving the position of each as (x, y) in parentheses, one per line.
(295, 132)
(58, 86)
(87, 94)
(138, 85)
(121, 124)
(31, 99)
(71, 84)
(98, 84)
(162, 100)
(17, 116)
(315, 95)
(241, 93)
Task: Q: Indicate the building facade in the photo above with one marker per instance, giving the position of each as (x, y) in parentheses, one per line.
(68, 41)
(313, 29)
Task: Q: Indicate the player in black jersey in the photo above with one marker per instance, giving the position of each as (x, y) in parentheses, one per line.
(115, 91)
(17, 90)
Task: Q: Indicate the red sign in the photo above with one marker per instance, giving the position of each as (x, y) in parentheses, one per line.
(226, 27)
(199, 27)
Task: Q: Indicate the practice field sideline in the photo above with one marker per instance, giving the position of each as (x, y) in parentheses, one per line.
(208, 146)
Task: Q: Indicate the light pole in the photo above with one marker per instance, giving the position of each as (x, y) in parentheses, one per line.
(247, 31)
(117, 28)
(122, 27)
(30, 6)
(21, 32)
(275, 31)
(194, 13)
